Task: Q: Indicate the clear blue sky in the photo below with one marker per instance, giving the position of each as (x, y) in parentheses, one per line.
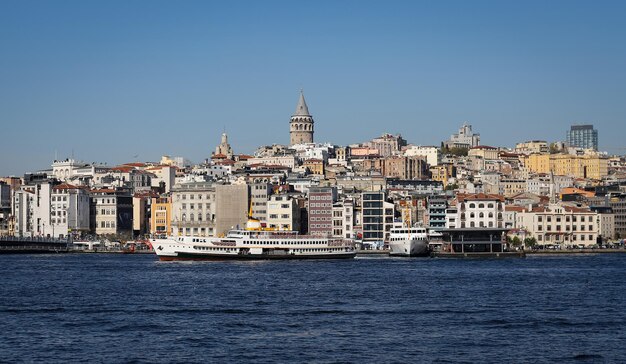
(109, 80)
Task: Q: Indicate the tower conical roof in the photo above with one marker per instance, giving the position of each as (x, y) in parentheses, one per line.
(302, 109)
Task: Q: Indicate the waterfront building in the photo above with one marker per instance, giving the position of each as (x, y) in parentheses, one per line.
(451, 216)
(161, 215)
(320, 211)
(617, 202)
(432, 154)
(465, 138)
(283, 213)
(22, 211)
(69, 210)
(480, 211)
(231, 207)
(582, 136)
(111, 212)
(193, 209)
(5, 207)
(142, 212)
(606, 227)
(560, 224)
(259, 195)
(437, 211)
(343, 218)
(301, 126)
(377, 217)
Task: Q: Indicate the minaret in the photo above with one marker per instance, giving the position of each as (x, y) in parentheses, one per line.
(301, 124)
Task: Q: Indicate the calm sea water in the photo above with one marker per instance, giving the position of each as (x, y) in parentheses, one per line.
(132, 308)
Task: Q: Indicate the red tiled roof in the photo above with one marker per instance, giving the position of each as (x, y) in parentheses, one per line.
(103, 190)
(225, 162)
(479, 196)
(65, 186)
(123, 169)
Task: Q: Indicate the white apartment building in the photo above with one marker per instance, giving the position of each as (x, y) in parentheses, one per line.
(480, 211)
(561, 225)
(343, 219)
(540, 184)
(69, 210)
(432, 154)
(193, 209)
(111, 211)
(283, 213)
(285, 161)
(22, 210)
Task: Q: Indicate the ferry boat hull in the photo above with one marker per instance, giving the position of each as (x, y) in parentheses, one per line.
(409, 248)
(245, 245)
(219, 257)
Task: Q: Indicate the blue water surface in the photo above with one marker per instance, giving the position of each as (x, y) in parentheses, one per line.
(132, 308)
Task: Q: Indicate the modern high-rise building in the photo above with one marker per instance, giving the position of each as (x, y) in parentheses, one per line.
(582, 136)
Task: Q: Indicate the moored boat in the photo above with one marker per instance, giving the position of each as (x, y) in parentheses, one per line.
(251, 245)
(408, 242)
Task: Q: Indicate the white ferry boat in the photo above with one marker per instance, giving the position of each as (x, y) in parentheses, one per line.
(408, 242)
(252, 244)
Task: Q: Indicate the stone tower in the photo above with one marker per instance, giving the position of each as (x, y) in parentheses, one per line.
(224, 148)
(301, 124)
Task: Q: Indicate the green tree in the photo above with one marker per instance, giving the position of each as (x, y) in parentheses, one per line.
(531, 242)
(554, 148)
(452, 187)
(516, 241)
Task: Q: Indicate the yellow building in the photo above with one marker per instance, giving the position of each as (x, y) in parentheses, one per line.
(585, 166)
(442, 173)
(315, 166)
(161, 215)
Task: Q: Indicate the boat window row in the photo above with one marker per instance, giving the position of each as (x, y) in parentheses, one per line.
(289, 242)
(213, 249)
(408, 231)
(404, 238)
(308, 250)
